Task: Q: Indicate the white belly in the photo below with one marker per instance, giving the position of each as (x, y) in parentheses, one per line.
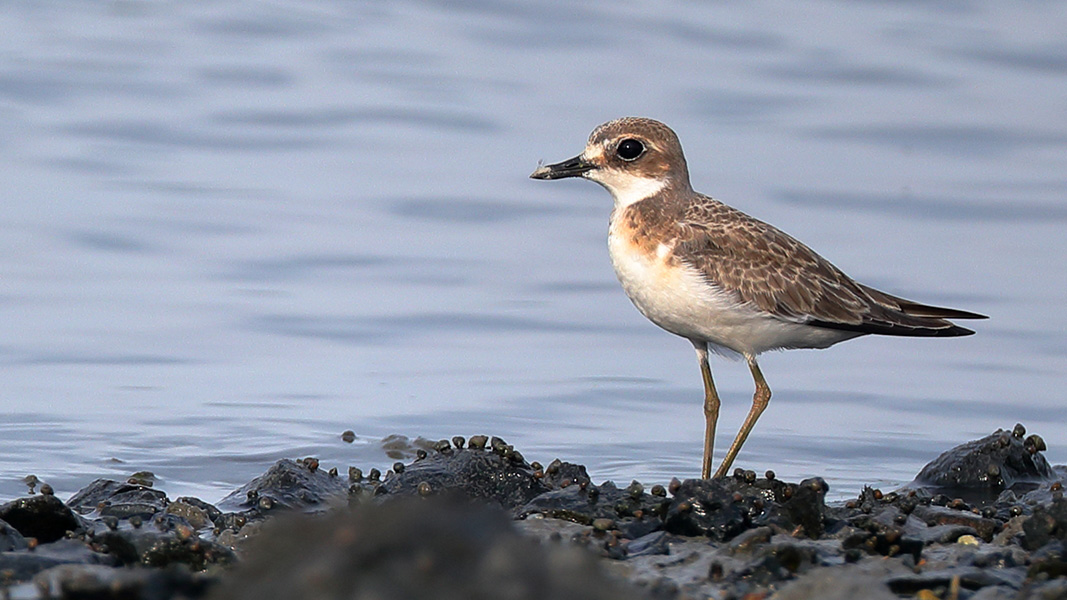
(679, 299)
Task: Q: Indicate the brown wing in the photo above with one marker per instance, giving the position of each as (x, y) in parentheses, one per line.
(776, 273)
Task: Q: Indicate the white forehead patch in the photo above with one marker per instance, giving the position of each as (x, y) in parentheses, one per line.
(594, 153)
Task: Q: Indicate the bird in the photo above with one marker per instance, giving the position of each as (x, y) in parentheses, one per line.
(729, 283)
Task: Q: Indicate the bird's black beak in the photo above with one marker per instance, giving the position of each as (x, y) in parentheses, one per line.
(574, 167)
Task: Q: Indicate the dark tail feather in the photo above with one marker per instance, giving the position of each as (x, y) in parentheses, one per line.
(901, 329)
(924, 310)
(915, 309)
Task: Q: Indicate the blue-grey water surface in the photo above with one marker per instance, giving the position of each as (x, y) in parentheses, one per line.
(232, 231)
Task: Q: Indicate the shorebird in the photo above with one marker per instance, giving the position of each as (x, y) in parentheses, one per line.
(724, 280)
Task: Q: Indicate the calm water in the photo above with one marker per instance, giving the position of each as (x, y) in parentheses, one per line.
(232, 231)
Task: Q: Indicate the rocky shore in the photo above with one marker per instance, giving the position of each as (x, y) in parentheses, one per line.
(473, 519)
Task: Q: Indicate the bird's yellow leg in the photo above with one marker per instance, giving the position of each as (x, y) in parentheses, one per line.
(711, 408)
(760, 400)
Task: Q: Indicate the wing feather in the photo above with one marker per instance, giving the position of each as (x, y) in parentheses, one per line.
(768, 268)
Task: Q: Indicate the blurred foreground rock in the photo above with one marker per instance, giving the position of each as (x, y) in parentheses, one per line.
(473, 519)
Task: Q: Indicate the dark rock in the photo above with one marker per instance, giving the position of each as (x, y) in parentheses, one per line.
(1045, 524)
(996, 592)
(559, 474)
(637, 512)
(117, 499)
(872, 537)
(413, 548)
(22, 565)
(970, 578)
(212, 513)
(287, 484)
(165, 540)
(651, 544)
(806, 506)
(736, 537)
(840, 583)
(44, 517)
(945, 534)
(473, 473)
(749, 541)
(995, 462)
(1049, 561)
(571, 503)
(197, 517)
(106, 583)
(1048, 590)
(774, 562)
(196, 553)
(708, 507)
(939, 515)
(723, 508)
(10, 538)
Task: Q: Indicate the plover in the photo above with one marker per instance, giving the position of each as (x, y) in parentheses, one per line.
(726, 281)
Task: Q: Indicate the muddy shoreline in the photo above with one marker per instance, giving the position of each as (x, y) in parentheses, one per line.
(471, 518)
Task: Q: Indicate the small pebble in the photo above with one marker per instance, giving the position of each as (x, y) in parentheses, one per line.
(348, 436)
(458, 441)
(635, 490)
(398, 467)
(967, 540)
(715, 571)
(659, 491)
(1035, 444)
(603, 524)
(478, 442)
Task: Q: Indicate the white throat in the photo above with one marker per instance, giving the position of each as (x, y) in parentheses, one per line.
(626, 188)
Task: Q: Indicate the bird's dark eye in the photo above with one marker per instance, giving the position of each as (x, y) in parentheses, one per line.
(629, 149)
